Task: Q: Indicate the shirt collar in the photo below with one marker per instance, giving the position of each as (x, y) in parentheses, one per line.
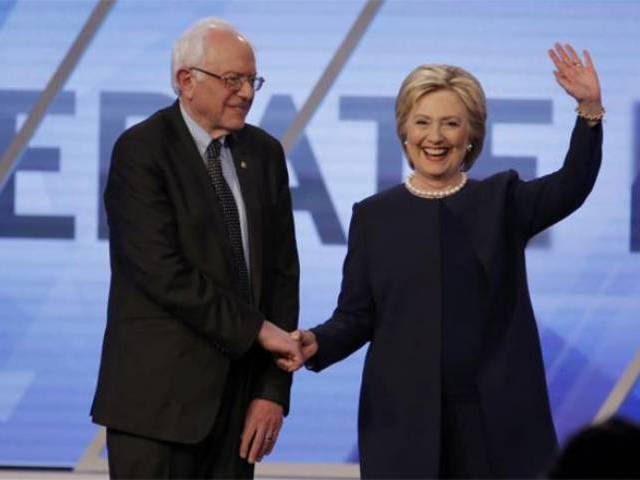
(199, 134)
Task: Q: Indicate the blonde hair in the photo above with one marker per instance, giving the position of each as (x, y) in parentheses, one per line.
(426, 79)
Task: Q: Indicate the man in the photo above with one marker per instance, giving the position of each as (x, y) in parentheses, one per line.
(204, 276)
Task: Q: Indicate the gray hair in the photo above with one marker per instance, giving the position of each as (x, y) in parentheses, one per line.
(188, 50)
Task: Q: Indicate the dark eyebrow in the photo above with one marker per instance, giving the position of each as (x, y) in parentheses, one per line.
(449, 117)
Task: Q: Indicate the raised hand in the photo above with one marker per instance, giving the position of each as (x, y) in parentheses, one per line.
(286, 349)
(579, 78)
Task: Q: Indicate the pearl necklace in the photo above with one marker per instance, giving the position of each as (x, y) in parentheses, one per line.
(435, 193)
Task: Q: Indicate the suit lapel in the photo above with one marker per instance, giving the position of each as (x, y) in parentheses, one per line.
(247, 171)
(187, 152)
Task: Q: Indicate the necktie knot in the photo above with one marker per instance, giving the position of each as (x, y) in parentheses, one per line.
(213, 150)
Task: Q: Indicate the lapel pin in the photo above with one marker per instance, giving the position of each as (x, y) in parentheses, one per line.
(243, 164)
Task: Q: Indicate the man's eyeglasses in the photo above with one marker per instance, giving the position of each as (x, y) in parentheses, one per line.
(234, 82)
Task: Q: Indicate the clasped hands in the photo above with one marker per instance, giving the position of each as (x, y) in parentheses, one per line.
(291, 350)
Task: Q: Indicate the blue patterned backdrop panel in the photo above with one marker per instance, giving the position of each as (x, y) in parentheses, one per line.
(584, 273)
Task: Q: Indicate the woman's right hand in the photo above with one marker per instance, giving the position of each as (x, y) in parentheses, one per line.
(308, 342)
(282, 345)
(308, 346)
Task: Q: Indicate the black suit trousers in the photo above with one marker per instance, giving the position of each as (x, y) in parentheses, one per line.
(217, 456)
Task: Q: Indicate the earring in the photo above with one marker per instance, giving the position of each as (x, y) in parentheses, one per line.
(469, 147)
(405, 142)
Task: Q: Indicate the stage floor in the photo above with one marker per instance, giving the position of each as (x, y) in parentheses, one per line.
(267, 471)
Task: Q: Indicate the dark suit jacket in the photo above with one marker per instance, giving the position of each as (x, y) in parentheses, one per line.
(391, 296)
(175, 319)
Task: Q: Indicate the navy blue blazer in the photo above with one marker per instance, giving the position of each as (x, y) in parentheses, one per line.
(391, 298)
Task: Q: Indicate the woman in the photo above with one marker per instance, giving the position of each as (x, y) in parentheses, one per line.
(434, 278)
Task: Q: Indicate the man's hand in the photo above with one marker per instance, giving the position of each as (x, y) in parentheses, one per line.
(308, 345)
(286, 349)
(261, 427)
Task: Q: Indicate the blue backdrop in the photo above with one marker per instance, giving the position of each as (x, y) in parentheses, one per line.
(53, 253)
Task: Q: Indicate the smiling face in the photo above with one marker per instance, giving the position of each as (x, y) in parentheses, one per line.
(437, 136)
(210, 103)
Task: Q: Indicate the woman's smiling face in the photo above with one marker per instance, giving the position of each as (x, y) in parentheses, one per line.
(437, 137)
